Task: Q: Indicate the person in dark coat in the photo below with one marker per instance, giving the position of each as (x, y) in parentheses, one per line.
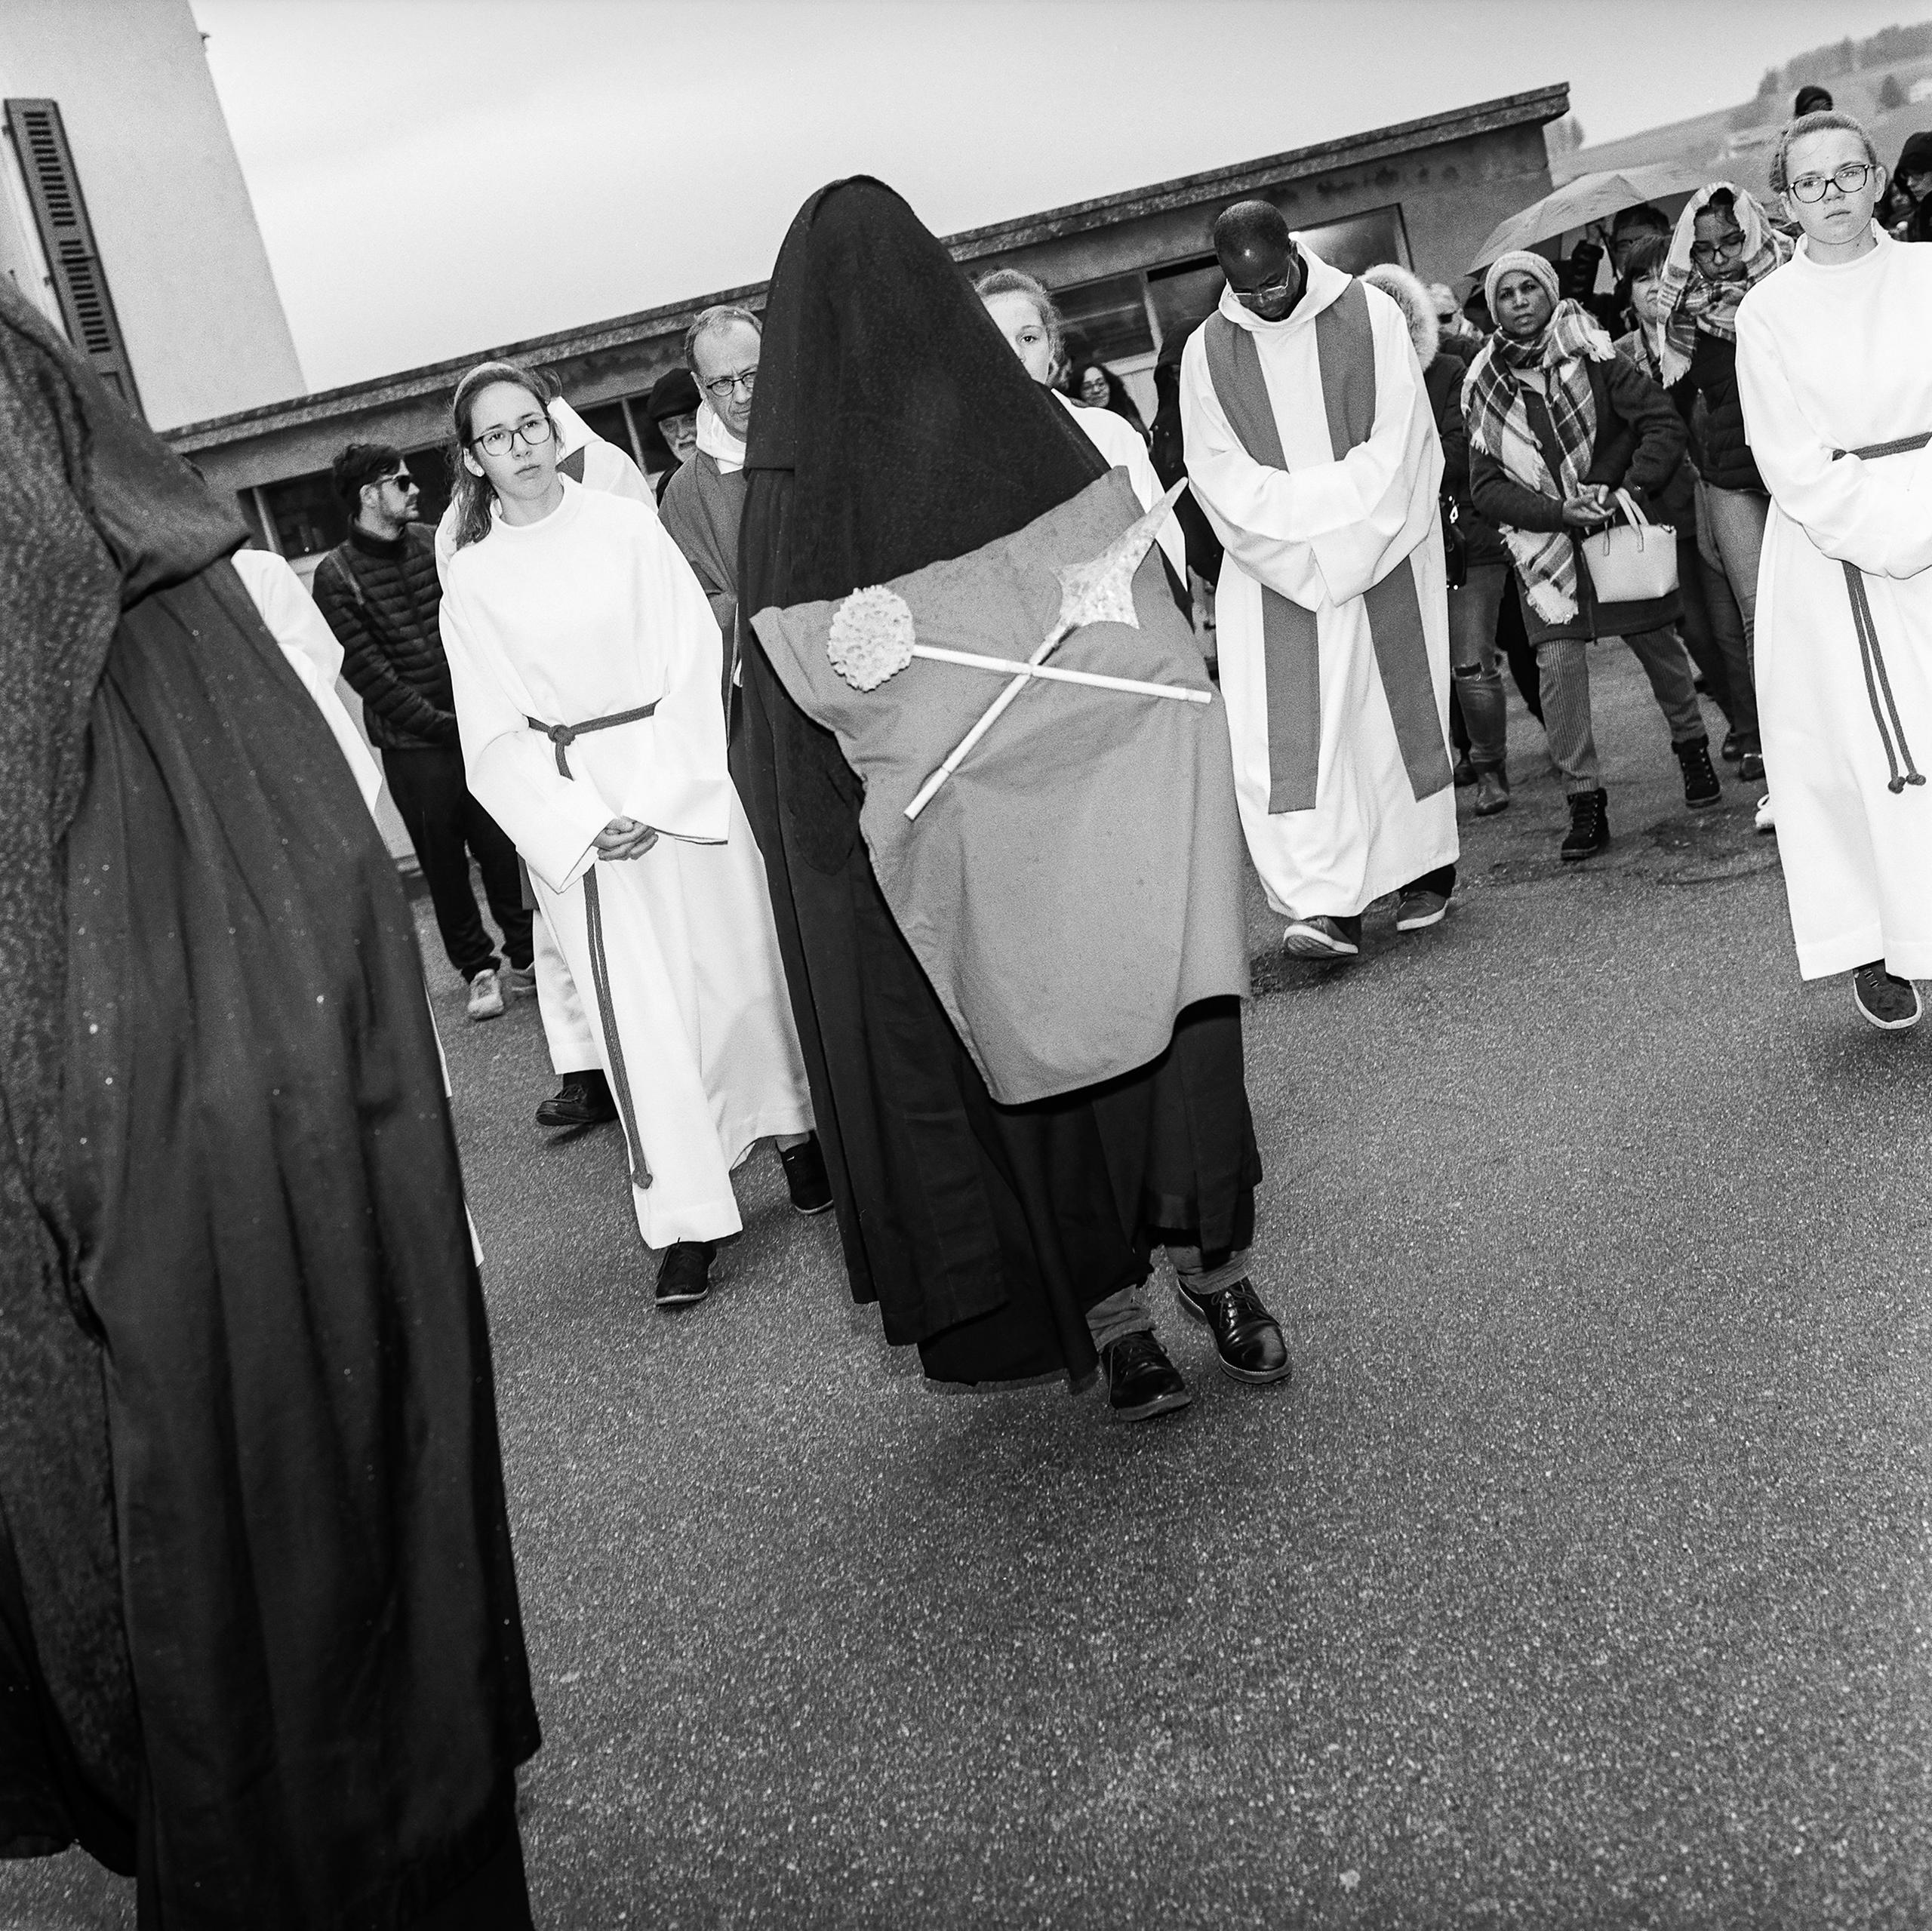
(1476, 602)
(1557, 421)
(672, 410)
(1169, 459)
(895, 428)
(381, 594)
(259, 1639)
(1914, 174)
(1610, 306)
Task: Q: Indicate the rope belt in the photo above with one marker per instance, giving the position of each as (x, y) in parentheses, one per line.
(1870, 657)
(561, 736)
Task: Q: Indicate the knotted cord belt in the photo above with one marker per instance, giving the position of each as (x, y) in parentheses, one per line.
(1871, 658)
(562, 735)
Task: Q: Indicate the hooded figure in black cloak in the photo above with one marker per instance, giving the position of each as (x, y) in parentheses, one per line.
(893, 428)
(259, 1641)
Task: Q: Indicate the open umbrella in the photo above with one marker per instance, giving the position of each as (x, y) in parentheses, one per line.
(1588, 198)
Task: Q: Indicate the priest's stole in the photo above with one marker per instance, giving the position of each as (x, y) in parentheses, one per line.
(1077, 882)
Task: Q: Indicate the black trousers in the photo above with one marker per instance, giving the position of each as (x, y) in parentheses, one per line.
(446, 825)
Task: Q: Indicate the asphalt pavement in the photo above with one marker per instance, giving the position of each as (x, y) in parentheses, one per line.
(1579, 1576)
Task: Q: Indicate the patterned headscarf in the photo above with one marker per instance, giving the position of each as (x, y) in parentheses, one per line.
(1690, 300)
(1498, 415)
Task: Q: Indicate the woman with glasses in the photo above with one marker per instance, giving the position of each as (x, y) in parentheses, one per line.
(586, 664)
(1724, 247)
(1837, 391)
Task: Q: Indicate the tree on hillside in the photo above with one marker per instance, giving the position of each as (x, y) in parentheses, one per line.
(1772, 84)
(1564, 137)
(1890, 94)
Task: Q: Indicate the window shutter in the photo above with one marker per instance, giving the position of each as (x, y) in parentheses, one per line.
(80, 281)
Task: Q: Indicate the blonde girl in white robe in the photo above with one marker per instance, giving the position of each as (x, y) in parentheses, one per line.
(1831, 357)
(576, 610)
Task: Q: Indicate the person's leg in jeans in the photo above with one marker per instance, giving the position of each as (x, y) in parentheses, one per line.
(430, 795)
(1563, 674)
(503, 882)
(1694, 625)
(1513, 641)
(1727, 627)
(1479, 682)
(1737, 520)
(1661, 653)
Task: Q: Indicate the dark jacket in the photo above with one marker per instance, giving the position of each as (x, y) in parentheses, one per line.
(1726, 460)
(1639, 447)
(382, 600)
(1577, 274)
(1443, 378)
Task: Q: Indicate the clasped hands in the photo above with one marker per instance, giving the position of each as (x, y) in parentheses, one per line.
(625, 838)
(1590, 506)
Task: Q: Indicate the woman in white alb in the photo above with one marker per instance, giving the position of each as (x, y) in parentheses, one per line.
(1837, 390)
(586, 663)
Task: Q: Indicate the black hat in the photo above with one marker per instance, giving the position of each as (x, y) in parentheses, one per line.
(674, 393)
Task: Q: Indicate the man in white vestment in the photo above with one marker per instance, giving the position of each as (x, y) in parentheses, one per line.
(1311, 443)
(586, 663)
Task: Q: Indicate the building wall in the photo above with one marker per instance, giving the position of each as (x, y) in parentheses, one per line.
(184, 258)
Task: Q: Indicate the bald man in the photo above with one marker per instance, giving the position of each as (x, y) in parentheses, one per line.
(1312, 447)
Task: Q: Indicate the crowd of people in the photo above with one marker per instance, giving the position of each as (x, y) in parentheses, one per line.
(766, 846)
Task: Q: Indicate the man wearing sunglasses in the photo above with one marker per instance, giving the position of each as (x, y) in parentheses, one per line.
(380, 593)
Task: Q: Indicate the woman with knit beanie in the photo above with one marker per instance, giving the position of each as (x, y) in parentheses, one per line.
(1559, 422)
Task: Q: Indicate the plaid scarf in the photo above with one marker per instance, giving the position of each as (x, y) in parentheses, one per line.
(1691, 299)
(1498, 415)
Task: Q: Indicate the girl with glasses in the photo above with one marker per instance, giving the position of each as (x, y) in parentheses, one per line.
(1837, 394)
(586, 661)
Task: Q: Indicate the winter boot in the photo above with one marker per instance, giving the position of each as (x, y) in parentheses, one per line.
(1700, 780)
(1590, 824)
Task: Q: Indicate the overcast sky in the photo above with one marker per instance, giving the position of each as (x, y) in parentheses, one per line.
(438, 177)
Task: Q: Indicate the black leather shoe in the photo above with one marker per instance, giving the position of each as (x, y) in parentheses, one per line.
(582, 1100)
(1141, 1381)
(1732, 747)
(684, 1275)
(1247, 1336)
(804, 1174)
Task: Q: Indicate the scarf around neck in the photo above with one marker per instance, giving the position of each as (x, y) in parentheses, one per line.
(1691, 301)
(1498, 413)
(717, 442)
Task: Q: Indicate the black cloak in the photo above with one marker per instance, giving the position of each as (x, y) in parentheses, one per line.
(260, 1639)
(894, 428)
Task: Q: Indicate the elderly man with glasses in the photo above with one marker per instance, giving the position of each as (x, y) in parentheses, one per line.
(380, 592)
(705, 500)
(1312, 446)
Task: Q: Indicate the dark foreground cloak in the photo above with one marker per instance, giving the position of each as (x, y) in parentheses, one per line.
(260, 1638)
(894, 427)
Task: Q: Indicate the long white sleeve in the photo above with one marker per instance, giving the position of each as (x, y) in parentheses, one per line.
(1868, 514)
(1326, 532)
(552, 820)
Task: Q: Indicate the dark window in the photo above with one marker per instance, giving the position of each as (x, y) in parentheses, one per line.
(1107, 321)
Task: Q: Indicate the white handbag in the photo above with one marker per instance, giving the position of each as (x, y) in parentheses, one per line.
(1633, 562)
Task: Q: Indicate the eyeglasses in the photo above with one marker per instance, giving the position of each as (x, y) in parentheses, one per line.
(725, 387)
(1719, 250)
(532, 432)
(1847, 180)
(1250, 298)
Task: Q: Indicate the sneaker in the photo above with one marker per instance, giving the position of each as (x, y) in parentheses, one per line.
(1492, 793)
(1700, 780)
(1590, 824)
(582, 1100)
(684, 1275)
(1767, 819)
(1416, 911)
(805, 1176)
(1321, 938)
(519, 982)
(1141, 1381)
(1247, 1336)
(486, 996)
(1883, 999)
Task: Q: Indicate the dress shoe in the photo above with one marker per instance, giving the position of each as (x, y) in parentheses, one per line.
(805, 1176)
(685, 1273)
(1141, 1381)
(582, 1100)
(1247, 1336)
(1465, 773)
(1492, 793)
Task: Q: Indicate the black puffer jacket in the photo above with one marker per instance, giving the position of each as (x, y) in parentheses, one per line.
(382, 600)
(1725, 457)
